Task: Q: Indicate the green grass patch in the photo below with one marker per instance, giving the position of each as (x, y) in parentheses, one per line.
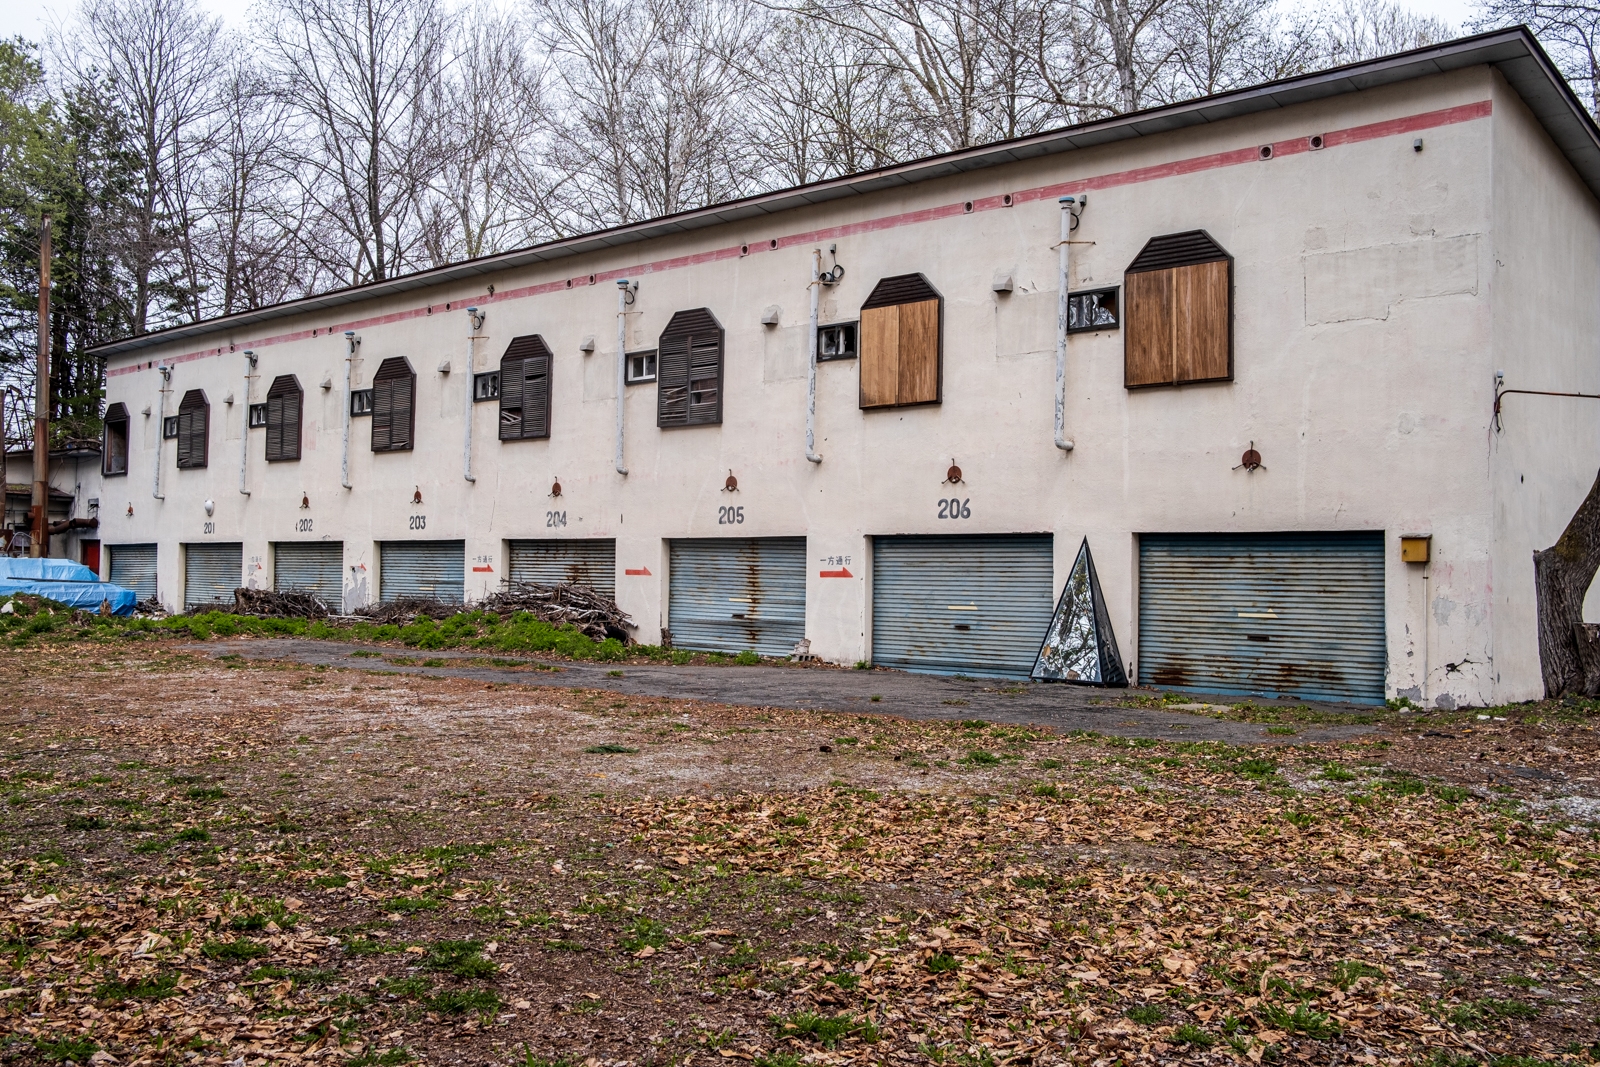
(609, 748)
(233, 951)
(825, 1030)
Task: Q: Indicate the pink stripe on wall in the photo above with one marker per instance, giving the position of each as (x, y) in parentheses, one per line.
(1427, 120)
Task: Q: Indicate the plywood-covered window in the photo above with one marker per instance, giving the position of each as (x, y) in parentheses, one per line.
(114, 454)
(900, 343)
(525, 389)
(394, 406)
(1179, 312)
(194, 425)
(285, 401)
(689, 370)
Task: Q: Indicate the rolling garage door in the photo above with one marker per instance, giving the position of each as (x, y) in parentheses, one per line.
(211, 573)
(961, 605)
(728, 595)
(591, 562)
(435, 570)
(1297, 615)
(134, 567)
(311, 567)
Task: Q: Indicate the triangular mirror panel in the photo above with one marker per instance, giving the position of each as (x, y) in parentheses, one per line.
(1079, 647)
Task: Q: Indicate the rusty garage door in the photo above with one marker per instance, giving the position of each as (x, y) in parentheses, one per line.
(961, 605)
(211, 572)
(732, 594)
(431, 570)
(581, 561)
(315, 567)
(1288, 614)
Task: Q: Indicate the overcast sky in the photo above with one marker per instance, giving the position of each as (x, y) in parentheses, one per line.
(32, 18)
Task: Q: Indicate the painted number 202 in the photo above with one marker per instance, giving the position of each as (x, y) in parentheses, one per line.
(955, 508)
(730, 516)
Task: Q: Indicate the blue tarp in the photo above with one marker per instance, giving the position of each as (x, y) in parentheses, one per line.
(85, 595)
(63, 581)
(45, 570)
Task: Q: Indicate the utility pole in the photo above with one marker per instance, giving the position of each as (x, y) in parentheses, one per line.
(41, 407)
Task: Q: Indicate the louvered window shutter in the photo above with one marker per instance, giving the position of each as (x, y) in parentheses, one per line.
(193, 417)
(525, 389)
(1179, 315)
(689, 370)
(284, 403)
(901, 345)
(393, 406)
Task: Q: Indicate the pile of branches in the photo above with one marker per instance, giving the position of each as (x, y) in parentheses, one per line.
(408, 609)
(595, 615)
(292, 604)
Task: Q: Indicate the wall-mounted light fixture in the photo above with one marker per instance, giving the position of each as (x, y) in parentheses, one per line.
(730, 484)
(953, 475)
(416, 497)
(555, 487)
(211, 507)
(1251, 460)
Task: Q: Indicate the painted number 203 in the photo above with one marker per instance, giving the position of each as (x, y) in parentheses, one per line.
(730, 516)
(955, 508)
(418, 522)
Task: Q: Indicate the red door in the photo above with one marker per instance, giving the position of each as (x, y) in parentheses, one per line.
(91, 555)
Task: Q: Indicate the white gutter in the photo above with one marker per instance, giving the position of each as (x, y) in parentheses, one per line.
(622, 363)
(811, 373)
(1062, 302)
(474, 324)
(161, 425)
(244, 436)
(344, 456)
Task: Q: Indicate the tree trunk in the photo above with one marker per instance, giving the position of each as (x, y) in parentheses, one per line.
(1569, 650)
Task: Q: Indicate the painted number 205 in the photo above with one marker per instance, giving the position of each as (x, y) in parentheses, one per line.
(730, 516)
(955, 508)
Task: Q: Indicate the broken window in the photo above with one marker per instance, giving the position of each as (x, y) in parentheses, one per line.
(194, 422)
(641, 367)
(114, 456)
(900, 343)
(837, 341)
(689, 370)
(525, 389)
(1180, 312)
(1079, 645)
(1095, 310)
(486, 386)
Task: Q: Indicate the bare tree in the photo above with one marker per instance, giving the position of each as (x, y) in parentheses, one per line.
(1355, 30)
(363, 78)
(159, 60)
(1569, 649)
(1571, 31)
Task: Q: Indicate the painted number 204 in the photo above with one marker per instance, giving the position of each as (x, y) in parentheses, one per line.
(555, 518)
(955, 508)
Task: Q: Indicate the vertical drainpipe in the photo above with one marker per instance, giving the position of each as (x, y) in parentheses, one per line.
(622, 363)
(344, 456)
(244, 436)
(474, 322)
(1061, 328)
(161, 425)
(811, 375)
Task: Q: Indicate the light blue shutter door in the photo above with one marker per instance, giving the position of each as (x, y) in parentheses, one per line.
(434, 570)
(733, 594)
(961, 605)
(134, 567)
(589, 561)
(211, 572)
(311, 567)
(1295, 615)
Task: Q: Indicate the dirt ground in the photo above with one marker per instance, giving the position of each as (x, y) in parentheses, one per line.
(242, 862)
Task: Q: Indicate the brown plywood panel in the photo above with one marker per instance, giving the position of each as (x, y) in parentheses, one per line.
(919, 352)
(1200, 302)
(880, 357)
(1148, 320)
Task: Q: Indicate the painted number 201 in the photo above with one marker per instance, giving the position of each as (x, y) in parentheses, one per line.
(730, 516)
(955, 508)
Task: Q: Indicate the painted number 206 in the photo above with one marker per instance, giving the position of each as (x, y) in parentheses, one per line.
(730, 516)
(955, 508)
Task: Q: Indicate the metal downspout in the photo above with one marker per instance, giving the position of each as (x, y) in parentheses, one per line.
(811, 374)
(1062, 313)
(344, 455)
(622, 363)
(161, 426)
(474, 323)
(244, 436)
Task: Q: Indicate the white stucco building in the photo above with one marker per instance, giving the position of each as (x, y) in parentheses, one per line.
(1329, 272)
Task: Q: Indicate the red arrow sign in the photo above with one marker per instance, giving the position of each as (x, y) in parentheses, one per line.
(638, 570)
(840, 573)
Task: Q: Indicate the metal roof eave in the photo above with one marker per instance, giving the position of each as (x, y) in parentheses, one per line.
(1514, 52)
